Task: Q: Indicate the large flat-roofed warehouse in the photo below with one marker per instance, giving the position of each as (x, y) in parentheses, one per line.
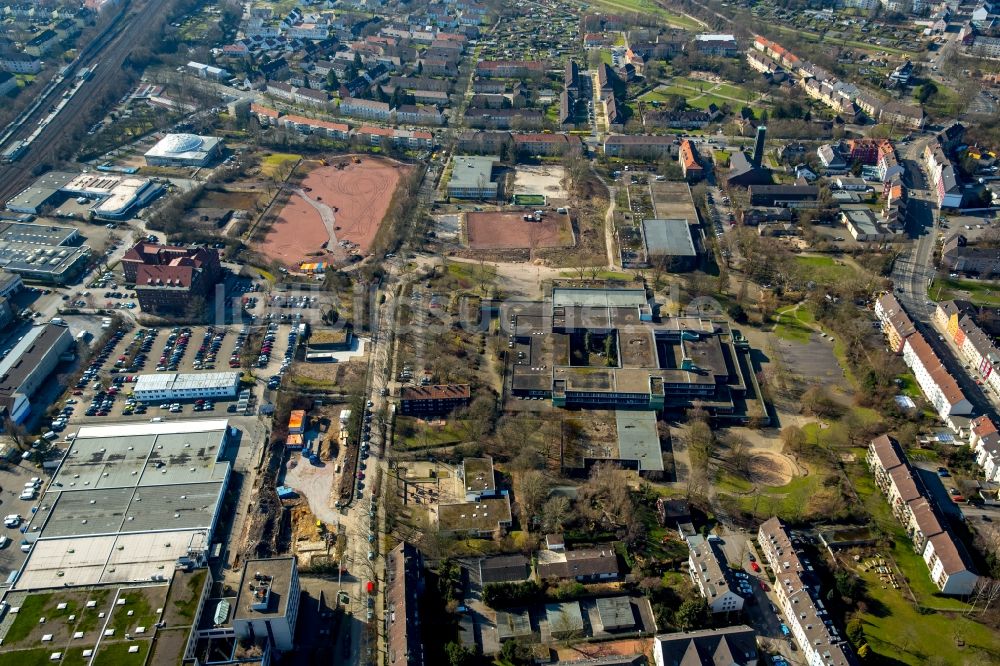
(117, 197)
(28, 365)
(186, 386)
(44, 191)
(42, 252)
(111, 197)
(669, 244)
(562, 346)
(471, 177)
(128, 503)
(185, 150)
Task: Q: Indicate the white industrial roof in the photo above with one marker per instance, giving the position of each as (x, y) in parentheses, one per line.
(175, 381)
(93, 560)
(164, 428)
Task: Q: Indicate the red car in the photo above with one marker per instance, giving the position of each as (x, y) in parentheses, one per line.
(755, 567)
(763, 586)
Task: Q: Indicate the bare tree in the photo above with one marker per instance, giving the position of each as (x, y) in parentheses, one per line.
(555, 513)
(530, 489)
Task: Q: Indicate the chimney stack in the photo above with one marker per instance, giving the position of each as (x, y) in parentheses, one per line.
(758, 148)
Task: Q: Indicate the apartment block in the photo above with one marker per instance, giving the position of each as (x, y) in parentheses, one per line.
(800, 599)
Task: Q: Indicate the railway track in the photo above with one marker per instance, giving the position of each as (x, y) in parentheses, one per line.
(135, 28)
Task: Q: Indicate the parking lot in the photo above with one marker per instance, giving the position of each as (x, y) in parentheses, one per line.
(104, 389)
(12, 484)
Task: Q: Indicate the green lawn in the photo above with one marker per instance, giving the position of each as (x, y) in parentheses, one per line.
(118, 654)
(908, 385)
(415, 434)
(794, 324)
(143, 614)
(653, 96)
(905, 635)
(825, 270)
(730, 90)
(893, 627)
(36, 657)
(278, 164)
(647, 7)
(74, 657)
(27, 618)
(980, 292)
(706, 100)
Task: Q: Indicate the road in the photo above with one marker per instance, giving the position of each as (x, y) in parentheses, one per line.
(914, 269)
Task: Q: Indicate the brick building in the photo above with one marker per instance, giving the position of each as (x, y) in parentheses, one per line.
(167, 277)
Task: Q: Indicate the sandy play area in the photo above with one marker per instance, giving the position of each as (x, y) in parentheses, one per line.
(345, 201)
(508, 231)
(771, 469)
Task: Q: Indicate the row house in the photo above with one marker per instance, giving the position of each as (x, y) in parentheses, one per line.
(716, 45)
(281, 90)
(887, 462)
(484, 142)
(311, 97)
(944, 176)
(366, 108)
(937, 384)
(946, 558)
(413, 139)
(679, 119)
(691, 167)
(889, 167)
(504, 118)
(374, 136)
(894, 201)
(311, 31)
(907, 116)
(438, 67)
(437, 97)
(567, 108)
(20, 63)
(985, 442)
(42, 43)
(415, 83)
(614, 113)
(548, 145)
(305, 125)
(958, 256)
(800, 599)
(266, 116)
(645, 146)
(488, 87)
(418, 115)
(710, 578)
(509, 69)
(896, 323)
(764, 64)
(978, 350)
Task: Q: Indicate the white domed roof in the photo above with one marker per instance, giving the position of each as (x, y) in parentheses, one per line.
(181, 143)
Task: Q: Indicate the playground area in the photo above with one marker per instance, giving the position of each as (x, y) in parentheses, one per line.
(333, 212)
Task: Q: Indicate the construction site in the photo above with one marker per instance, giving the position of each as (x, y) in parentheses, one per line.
(308, 472)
